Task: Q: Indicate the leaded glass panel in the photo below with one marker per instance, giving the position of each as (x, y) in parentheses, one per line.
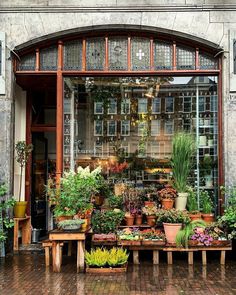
(73, 55)
(118, 54)
(27, 62)
(48, 59)
(95, 54)
(185, 58)
(140, 54)
(162, 55)
(207, 62)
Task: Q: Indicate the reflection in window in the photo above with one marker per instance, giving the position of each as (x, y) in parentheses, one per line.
(142, 105)
(155, 150)
(187, 124)
(169, 107)
(213, 106)
(142, 128)
(112, 108)
(98, 128)
(155, 127)
(125, 147)
(98, 107)
(125, 128)
(156, 105)
(187, 104)
(169, 127)
(98, 149)
(201, 104)
(111, 128)
(125, 106)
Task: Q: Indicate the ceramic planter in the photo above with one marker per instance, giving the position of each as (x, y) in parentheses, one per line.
(20, 209)
(129, 220)
(181, 201)
(171, 230)
(196, 216)
(167, 204)
(208, 217)
(64, 217)
(138, 219)
(151, 220)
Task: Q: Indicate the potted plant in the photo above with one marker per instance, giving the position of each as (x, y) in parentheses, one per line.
(206, 166)
(218, 234)
(167, 196)
(206, 206)
(201, 237)
(106, 261)
(138, 217)
(71, 225)
(23, 152)
(172, 220)
(183, 148)
(6, 221)
(192, 205)
(150, 212)
(129, 237)
(152, 237)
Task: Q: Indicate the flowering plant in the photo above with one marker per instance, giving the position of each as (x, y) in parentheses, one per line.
(149, 210)
(172, 216)
(118, 168)
(167, 193)
(152, 234)
(202, 236)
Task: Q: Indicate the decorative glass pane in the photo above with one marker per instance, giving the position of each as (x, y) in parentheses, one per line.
(142, 128)
(27, 62)
(140, 54)
(98, 107)
(169, 107)
(118, 54)
(162, 56)
(142, 105)
(112, 107)
(187, 104)
(98, 128)
(202, 104)
(48, 59)
(214, 103)
(155, 150)
(155, 127)
(95, 54)
(125, 128)
(73, 55)
(185, 58)
(207, 62)
(169, 127)
(125, 106)
(111, 128)
(156, 105)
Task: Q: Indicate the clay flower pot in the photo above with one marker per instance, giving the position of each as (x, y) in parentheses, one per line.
(64, 217)
(195, 216)
(171, 230)
(167, 204)
(208, 217)
(129, 220)
(138, 219)
(151, 220)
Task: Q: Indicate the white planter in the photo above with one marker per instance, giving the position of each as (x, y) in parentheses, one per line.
(181, 201)
(209, 181)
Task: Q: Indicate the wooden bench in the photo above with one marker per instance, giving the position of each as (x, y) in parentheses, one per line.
(155, 252)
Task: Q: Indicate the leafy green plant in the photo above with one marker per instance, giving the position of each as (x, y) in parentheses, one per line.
(102, 257)
(184, 234)
(23, 152)
(104, 222)
(172, 216)
(5, 220)
(206, 165)
(70, 224)
(183, 148)
(206, 204)
(192, 203)
(115, 201)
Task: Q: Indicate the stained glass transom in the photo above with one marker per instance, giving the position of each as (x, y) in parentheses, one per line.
(140, 54)
(185, 58)
(118, 54)
(163, 53)
(73, 55)
(48, 59)
(95, 54)
(207, 62)
(27, 62)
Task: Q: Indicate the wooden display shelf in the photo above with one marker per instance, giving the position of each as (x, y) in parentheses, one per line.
(25, 225)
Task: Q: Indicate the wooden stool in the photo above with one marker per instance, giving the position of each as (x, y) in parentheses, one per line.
(47, 244)
(25, 225)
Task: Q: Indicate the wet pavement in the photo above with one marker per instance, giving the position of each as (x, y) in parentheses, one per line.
(26, 275)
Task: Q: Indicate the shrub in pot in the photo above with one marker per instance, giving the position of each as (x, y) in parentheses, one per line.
(172, 221)
(23, 152)
(150, 212)
(167, 196)
(206, 205)
(183, 148)
(192, 205)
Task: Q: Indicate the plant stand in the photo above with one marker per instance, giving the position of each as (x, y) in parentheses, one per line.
(25, 225)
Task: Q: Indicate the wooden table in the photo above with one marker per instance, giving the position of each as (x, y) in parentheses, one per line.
(57, 236)
(25, 225)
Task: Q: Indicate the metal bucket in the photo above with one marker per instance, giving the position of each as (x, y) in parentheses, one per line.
(35, 235)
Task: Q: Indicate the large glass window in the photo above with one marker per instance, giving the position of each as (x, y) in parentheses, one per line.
(134, 119)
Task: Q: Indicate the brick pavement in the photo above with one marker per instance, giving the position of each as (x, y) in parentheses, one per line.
(27, 275)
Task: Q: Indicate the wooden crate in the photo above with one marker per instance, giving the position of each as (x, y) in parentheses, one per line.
(107, 270)
(128, 243)
(153, 243)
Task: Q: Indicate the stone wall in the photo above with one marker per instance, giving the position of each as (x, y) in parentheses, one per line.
(212, 20)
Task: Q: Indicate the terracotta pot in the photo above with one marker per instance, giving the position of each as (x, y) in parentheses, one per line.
(208, 217)
(171, 230)
(192, 243)
(196, 216)
(167, 204)
(20, 209)
(181, 201)
(149, 203)
(151, 220)
(62, 218)
(129, 220)
(138, 219)
(99, 200)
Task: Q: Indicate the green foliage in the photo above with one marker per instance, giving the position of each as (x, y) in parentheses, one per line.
(184, 234)
(104, 222)
(192, 203)
(103, 257)
(206, 204)
(172, 216)
(5, 219)
(206, 165)
(183, 148)
(115, 201)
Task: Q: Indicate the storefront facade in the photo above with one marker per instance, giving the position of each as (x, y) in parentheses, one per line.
(110, 80)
